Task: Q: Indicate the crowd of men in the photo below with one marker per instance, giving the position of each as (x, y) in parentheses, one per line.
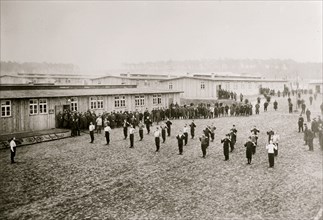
(77, 121)
(163, 116)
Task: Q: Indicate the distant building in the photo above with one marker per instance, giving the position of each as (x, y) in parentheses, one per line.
(316, 86)
(207, 88)
(30, 108)
(141, 80)
(54, 79)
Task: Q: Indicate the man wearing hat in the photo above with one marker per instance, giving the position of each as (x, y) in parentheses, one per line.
(300, 123)
(204, 144)
(180, 140)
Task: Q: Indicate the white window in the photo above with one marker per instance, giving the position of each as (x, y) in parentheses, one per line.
(100, 102)
(235, 85)
(156, 99)
(116, 101)
(119, 101)
(137, 100)
(33, 106)
(74, 104)
(142, 100)
(5, 108)
(202, 85)
(170, 85)
(242, 85)
(249, 84)
(42, 106)
(93, 102)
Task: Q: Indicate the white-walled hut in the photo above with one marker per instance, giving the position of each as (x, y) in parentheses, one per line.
(31, 108)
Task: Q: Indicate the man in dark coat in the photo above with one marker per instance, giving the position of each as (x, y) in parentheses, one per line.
(148, 123)
(163, 131)
(226, 145)
(275, 105)
(125, 128)
(310, 138)
(300, 123)
(308, 115)
(233, 134)
(204, 144)
(180, 140)
(207, 133)
(192, 125)
(169, 124)
(249, 149)
(270, 134)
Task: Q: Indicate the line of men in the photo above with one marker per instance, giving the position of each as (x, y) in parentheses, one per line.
(208, 136)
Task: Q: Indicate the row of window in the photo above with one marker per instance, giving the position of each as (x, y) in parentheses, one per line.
(39, 106)
(227, 85)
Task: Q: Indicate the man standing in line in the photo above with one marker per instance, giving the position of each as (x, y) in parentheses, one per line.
(204, 145)
(270, 134)
(305, 133)
(308, 115)
(148, 123)
(107, 131)
(163, 131)
(276, 139)
(250, 145)
(180, 139)
(207, 133)
(169, 124)
(300, 123)
(131, 135)
(255, 131)
(13, 150)
(125, 128)
(233, 133)
(226, 145)
(91, 129)
(99, 124)
(141, 130)
(157, 138)
(212, 130)
(185, 131)
(192, 125)
(275, 105)
(310, 138)
(271, 157)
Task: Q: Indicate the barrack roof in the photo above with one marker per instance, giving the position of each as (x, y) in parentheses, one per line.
(48, 93)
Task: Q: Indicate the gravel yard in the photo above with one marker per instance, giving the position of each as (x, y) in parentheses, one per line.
(73, 179)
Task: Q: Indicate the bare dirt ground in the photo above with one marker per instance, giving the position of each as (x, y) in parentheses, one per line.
(73, 179)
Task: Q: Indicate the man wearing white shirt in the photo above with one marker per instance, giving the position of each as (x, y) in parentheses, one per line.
(131, 135)
(185, 132)
(91, 129)
(157, 138)
(13, 149)
(107, 130)
(271, 156)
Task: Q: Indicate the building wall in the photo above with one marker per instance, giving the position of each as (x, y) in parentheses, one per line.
(192, 87)
(126, 81)
(21, 120)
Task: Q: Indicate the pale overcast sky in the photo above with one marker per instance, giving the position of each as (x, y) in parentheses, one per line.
(105, 34)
